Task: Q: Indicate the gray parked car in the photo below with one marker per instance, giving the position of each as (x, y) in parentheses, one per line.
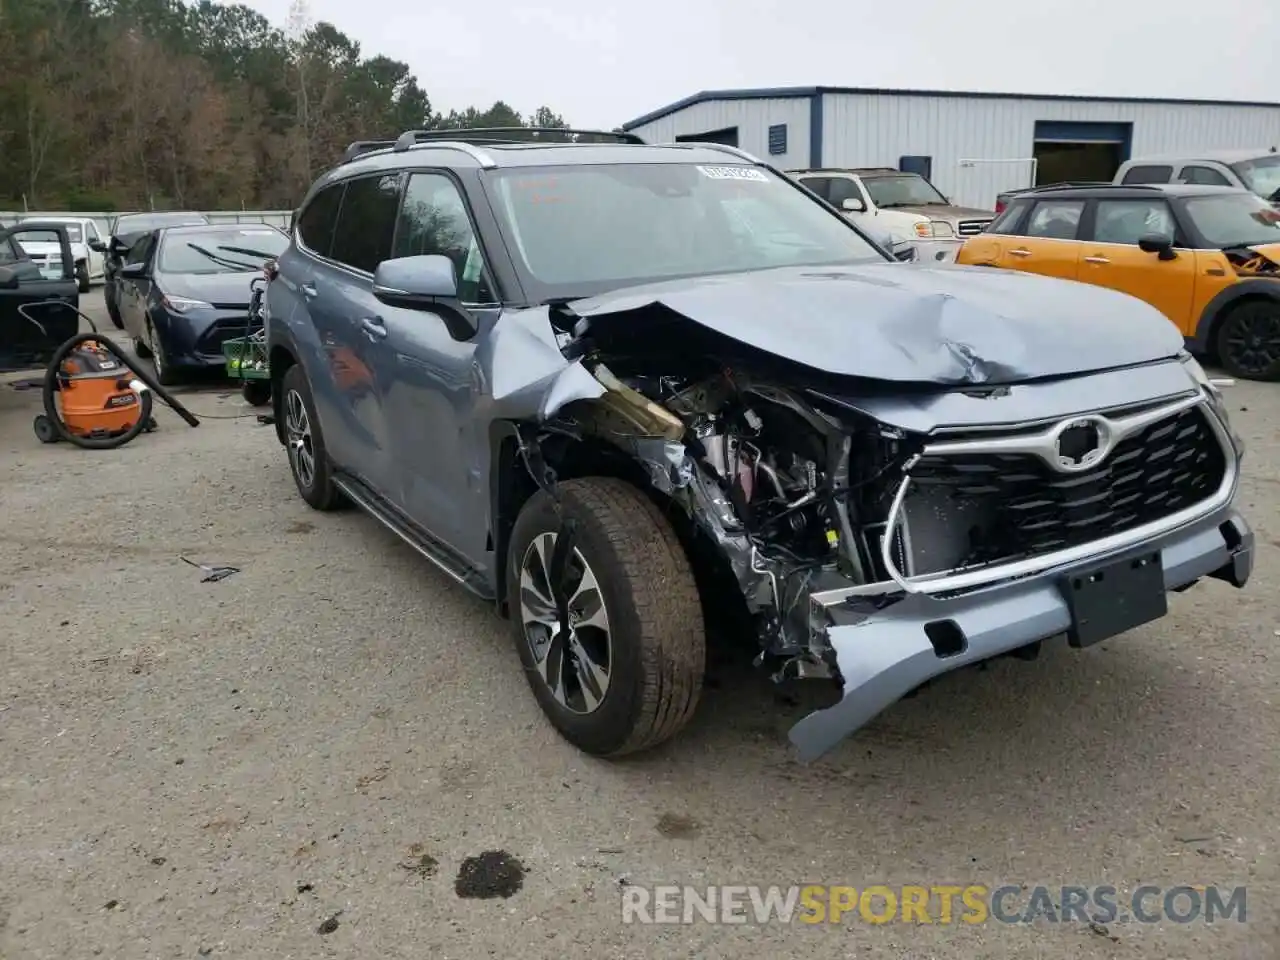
(636, 394)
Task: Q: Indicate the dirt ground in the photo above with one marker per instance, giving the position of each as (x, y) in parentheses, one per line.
(333, 752)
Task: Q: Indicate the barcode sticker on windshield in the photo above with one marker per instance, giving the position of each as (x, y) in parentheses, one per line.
(734, 173)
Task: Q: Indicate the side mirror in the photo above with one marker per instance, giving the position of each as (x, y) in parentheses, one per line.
(425, 283)
(853, 205)
(97, 246)
(133, 270)
(1161, 246)
(8, 279)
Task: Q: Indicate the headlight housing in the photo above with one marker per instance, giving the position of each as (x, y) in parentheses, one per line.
(934, 230)
(183, 304)
(1214, 394)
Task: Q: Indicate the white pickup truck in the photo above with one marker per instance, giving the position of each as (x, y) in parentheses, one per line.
(86, 246)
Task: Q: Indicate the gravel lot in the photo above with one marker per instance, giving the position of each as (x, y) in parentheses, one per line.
(218, 769)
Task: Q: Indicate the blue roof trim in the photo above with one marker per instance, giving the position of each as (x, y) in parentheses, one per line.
(815, 130)
(787, 93)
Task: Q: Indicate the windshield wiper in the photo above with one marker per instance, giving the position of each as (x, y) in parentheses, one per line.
(223, 261)
(248, 253)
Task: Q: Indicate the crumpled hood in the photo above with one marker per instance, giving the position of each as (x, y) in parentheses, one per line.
(1269, 250)
(938, 324)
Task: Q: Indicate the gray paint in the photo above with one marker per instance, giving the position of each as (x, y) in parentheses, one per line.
(419, 431)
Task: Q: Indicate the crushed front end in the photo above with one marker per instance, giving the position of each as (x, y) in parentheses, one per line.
(882, 535)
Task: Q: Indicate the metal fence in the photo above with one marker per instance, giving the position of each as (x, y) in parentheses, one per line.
(105, 221)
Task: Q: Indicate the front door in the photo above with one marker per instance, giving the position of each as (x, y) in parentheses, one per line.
(1111, 257)
(431, 395)
(28, 337)
(134, 286)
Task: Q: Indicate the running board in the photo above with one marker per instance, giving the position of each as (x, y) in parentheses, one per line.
(430, 548)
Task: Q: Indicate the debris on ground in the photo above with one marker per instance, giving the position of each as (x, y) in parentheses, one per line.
(495, 873)
(330, 925)
(212, 574)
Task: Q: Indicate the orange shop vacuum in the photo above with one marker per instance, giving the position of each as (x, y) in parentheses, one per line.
(94, 396)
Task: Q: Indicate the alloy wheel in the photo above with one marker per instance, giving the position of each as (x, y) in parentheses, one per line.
(297, 427)
(566, 626)
(1252, 341)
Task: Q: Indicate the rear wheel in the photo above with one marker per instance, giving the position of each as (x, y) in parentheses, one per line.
(308, 458)
(1248, 340)
(256, 393)
(612, 639)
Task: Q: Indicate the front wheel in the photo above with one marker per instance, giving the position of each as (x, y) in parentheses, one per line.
(82, 276)
(166, 375)
(611, 638)
(1248, 341)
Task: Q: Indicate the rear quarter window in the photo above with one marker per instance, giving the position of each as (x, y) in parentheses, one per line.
(316, 221)
(1010, 220)
(1148, 173)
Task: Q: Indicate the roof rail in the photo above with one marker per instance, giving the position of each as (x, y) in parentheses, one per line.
(1088, 184)
(358, 148)
(517, 135)
(722, 147)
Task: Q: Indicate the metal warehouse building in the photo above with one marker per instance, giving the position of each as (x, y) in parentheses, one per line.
(971, 145)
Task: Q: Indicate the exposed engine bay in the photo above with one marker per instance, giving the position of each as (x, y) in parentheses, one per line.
(794, 494)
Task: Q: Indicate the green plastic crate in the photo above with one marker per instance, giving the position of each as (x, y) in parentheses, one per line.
(247, 358)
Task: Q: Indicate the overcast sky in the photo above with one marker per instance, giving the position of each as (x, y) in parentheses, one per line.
(601, 64)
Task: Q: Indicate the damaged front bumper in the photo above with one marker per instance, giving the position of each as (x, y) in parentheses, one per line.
(884, 656)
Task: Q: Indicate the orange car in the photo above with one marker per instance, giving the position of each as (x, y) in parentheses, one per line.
(1207, 257)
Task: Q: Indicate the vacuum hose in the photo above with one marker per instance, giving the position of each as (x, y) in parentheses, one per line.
(145, 401)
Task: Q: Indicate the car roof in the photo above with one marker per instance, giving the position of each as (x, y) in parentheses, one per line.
(497, 155)
(217, 227)
(1127, 191)
(1190, 156)
(44, 222)
(860, 171)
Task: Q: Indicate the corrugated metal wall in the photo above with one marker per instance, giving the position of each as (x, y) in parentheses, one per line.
(752, 118)
(875, 130)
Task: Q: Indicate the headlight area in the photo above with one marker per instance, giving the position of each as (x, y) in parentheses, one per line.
(183, 304)
(1213, 391)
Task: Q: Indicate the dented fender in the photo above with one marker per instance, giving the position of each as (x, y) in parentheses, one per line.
(521, 366)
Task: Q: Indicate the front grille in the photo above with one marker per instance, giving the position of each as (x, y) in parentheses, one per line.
(986, 508)
(967, 228)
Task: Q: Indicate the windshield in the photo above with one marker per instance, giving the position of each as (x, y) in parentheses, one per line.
(592, 228)
(1262, 176)
(34, 236)
(912, 191)
(232, 250)
(1234, 219)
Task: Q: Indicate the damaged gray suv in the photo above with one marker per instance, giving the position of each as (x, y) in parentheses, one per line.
(636, 394)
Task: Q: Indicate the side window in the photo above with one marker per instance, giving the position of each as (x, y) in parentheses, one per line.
(315, 223)
(433, 220)
(1008, 222)
(1128, 221)
(819, 185)
(1056, 219)
(9, 252)
(139, 251)
(1148, 174)
(91, 231)
(843, 189)
(1204, 175)
(367, 221)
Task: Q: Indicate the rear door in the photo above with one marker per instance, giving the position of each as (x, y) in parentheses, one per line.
(49, 301)
(1111, 256)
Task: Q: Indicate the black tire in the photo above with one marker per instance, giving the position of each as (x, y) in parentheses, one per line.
(141, 349)
(657, 657)
(256, 393)
(316, 485)
(165, 373)
(82, 275)
(1248, 341)
(113, 311)
(45, 431)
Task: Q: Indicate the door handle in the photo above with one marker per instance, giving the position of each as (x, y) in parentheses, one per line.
(1097, 260)
(373, 328)
(1020, 252)
(308, 290)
